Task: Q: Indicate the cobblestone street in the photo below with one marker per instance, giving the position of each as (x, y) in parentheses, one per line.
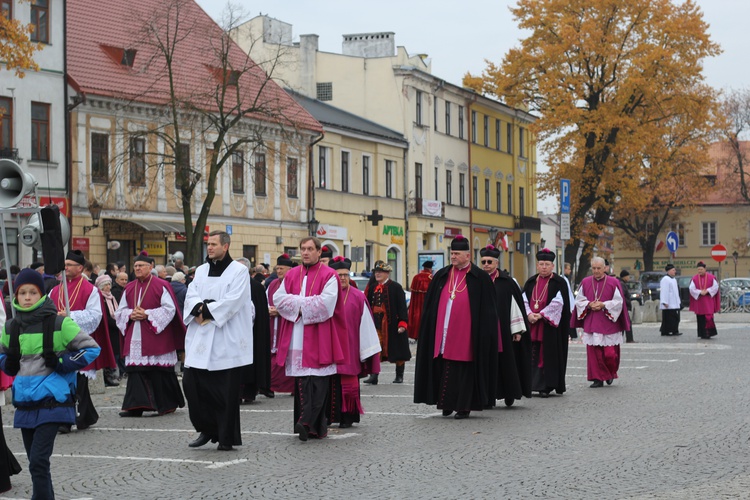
(675, 425)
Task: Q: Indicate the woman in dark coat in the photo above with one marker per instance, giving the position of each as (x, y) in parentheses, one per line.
(388, 303)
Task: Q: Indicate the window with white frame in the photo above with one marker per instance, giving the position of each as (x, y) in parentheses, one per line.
(708, 233)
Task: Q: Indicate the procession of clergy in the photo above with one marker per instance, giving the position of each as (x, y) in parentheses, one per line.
(312, 333)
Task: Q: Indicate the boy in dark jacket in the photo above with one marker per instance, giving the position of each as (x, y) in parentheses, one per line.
(43, 351)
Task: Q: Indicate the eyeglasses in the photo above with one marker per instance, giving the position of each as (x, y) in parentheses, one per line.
(487, 261)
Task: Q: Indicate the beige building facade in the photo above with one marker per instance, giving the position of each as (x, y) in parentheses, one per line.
(376, 80)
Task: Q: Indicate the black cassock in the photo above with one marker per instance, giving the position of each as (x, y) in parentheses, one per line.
(555, 350)
(258, 375)
(483, 334)
(514, 364)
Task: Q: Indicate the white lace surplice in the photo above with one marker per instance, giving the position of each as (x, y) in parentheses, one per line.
(160, 317)
(303, 311)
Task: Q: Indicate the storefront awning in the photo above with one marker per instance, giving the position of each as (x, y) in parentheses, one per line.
(130, 225)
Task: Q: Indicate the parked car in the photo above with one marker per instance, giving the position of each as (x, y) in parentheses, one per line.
(634, 289)
(683, 283)
(735, 292)
(734, 284)
(650, 282)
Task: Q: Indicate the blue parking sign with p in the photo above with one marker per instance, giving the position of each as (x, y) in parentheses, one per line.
(565, 196)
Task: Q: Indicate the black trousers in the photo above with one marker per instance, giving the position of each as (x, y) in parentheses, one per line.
(704, 332)
(213, 399)
(39, 443)
(670, 321)
(311, 404)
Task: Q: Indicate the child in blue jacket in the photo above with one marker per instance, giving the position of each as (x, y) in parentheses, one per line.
(43, 351)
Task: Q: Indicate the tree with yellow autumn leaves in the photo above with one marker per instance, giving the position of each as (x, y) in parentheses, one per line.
(16, 48)
(610, 80)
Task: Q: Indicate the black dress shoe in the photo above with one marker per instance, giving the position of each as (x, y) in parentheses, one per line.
(225, 447)
(447, 413)
(200, 441)
(65, 429)
(460, 415)
(345, 425)
(301, 430)
(677, 333)
(268, 393)
(609, 382)
(543, 394)
(597, 383)
(131, 413)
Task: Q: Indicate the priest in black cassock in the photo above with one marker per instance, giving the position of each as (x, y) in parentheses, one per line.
(257, 377)
(514, 358)
(547, 304)
(457, 351)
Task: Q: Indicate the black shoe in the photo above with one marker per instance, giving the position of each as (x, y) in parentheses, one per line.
(509, 402)
(399, 374)
(372, 379)
(200, 441)
(131, 413)
(666, 334)
(677, 333)
(447, 413)
(597, 383)
(65, 429)
(225, 447)
(345, 425)
(460, 415)
(301, 430)
(609, 382)
(268, 393)
(111, 383)
(543, 394)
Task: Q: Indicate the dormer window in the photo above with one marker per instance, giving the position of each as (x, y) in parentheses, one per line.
(228, 77)
(128, 57)
(122, 56)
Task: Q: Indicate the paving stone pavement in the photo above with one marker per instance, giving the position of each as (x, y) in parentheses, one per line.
(675, 425)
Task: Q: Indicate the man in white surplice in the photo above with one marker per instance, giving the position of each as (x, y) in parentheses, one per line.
(146, 318)
(219, 315)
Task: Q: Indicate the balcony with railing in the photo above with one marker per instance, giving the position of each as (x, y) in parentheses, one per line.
(530, 223)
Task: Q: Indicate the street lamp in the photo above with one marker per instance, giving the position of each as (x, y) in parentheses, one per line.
(312, 226)
(734, 256)
(96, 213)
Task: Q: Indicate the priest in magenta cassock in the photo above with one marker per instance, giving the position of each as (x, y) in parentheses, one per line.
(153, 330)
(456, 366)
(514, 343)
(280, 382)
(312, 336)
(219, 315)
(599, 311)
(362, 356)
(546, 298)
(705, 301)
(86, 309)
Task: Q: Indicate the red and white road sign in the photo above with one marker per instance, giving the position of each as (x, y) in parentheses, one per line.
(719, 252)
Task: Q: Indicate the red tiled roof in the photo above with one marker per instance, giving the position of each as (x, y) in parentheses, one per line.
(723, 168)
(96, 35)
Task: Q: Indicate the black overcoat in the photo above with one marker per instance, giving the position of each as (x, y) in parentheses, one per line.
(514, 367)
(394, 301)
(555, 338)
(259, 373)
(484, 323)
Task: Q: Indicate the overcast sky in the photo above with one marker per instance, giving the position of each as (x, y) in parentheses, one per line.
(461, 39)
